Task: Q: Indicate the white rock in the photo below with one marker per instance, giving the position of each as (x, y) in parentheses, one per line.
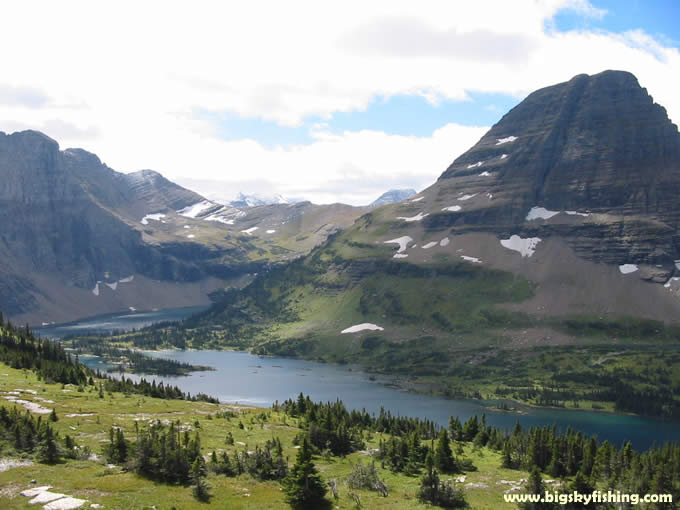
(30, 493)
(67, 503)
(46, 497)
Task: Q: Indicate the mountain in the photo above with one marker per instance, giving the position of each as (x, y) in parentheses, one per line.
(253, 200)
(560, 223)
(80, 239)
(393, 196)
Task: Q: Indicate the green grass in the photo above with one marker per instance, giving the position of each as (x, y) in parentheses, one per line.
(116, 489)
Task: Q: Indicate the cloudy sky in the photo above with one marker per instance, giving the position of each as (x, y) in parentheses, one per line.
(329, 101)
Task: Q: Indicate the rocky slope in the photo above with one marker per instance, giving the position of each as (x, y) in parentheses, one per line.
(80, 239)
(562, 218)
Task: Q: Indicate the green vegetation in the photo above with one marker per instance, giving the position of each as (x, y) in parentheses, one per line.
(113, 443)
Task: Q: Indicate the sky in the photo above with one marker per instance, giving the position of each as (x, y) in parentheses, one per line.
(326, 101)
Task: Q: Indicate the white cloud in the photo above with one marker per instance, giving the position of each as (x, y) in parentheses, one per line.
(124, 80)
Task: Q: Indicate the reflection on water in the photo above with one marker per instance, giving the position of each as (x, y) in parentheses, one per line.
(122, 321)
(234, 380)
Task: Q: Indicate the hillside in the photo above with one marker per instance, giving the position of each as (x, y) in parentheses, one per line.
(557, 228)
(81, 239)
(69, 439)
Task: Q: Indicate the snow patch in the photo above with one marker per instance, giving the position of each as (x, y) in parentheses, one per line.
(154, 217)
(430, 245)
(576, 213)
(474, 260)
(401, 241)
(525, 246)
(112, 286)
(250, 230)
(127, 279)
(485, 174)
(362, 327)
(195, 210)
(191, 236)
(475, 165)
(540, 212)
(416, 199)
(417, 217)
(271, 231)
(444, 242)
(501, 141)
(628, 268)
(400, 256)
(671, 280)
(452, 208)
(219, 219)
(467, 197)
(95, 291)
(187, 226)
(503, 156)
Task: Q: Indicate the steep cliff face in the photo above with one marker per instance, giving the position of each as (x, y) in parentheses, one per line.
(566, 208)
(79, 238)
(596, 146)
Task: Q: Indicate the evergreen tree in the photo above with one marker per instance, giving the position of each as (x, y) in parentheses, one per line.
(48, 450)
(444, 460)
(535, 486)
(303, 486)
(199, 486)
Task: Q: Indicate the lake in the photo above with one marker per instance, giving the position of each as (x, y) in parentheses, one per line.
(248, 379)
(127, 321)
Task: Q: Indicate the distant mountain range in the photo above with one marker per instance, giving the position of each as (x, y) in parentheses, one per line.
(393, 196)
(80, 239)
(562, 220)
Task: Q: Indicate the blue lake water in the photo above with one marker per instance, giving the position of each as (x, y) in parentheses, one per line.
(118, 321)
(248, 379)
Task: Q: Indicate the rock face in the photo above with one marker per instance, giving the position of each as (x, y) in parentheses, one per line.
(595, 145)
(80, 239)
(71, 217)
(393, 196)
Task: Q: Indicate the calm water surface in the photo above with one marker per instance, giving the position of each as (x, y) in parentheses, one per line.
(118, 321)
(245, 378)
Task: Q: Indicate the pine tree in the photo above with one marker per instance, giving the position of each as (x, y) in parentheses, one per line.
(535, 486)
(200, 487)
(444, 460)
(48, 450)
(303, 486)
